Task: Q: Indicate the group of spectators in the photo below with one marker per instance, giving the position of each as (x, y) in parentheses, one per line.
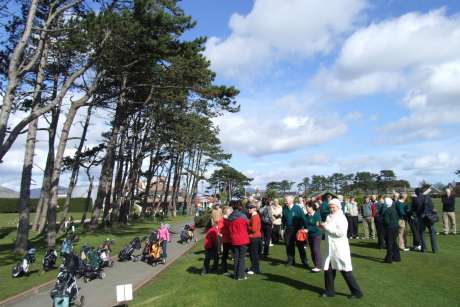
(237, 229)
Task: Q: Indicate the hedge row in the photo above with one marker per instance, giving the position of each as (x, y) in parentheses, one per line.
(10, 205)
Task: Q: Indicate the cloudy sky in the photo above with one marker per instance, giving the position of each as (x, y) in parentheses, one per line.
(348, 86)
(327, 86)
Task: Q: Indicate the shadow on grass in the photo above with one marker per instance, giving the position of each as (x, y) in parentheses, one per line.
(194, 270)
(199, 252)
(300, 285)
(375, 259)
(365, 244)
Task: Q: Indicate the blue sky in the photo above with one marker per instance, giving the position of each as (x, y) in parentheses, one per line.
(354, 85)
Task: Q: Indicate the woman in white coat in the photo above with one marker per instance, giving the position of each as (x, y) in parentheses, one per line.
(338, 257)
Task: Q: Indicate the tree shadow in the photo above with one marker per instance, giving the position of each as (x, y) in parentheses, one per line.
(375, 259)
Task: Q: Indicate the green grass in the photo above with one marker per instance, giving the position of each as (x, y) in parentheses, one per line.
(8, 220)
(9, 286)
(421, 279)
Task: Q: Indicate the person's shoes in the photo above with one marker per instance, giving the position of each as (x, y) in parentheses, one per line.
(271, 244)
(405, 249)
(249, 272)
(350, 238)
(243, 278)
(316, 270)
(289, 263)
(417, 248)
(327, 295)
(354, 296)
(204, 273)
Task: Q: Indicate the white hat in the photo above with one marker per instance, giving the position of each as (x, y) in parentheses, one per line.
(335, 202)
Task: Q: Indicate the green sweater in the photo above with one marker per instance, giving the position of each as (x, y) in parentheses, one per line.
(390, 218)
(313, 230)
(324, 210)
(294, 217)
(402, 209)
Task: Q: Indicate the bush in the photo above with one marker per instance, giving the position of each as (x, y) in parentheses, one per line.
(203, 220)
(10, 205)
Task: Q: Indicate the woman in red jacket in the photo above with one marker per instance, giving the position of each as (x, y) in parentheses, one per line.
(255, 236)
(238, 228)
(224, 233)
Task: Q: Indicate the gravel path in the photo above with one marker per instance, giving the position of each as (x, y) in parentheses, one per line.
(102, 293)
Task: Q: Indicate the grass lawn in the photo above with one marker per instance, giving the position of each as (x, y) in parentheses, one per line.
(421, 279)
(9, 286)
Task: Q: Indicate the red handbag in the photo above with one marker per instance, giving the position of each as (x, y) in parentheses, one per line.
(301, 235)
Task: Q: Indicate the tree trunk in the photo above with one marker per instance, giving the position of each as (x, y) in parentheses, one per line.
(88, 197)
(52, 210)
(42, 209)
(22, 236)
(13, 71)
(75, 167)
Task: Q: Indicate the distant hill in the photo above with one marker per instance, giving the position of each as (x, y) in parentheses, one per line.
(8, 193)
(35, 193)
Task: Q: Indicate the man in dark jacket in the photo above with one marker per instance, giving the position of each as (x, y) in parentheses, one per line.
(448, 213)
(424, 207)
(390, 221)
(293, 219)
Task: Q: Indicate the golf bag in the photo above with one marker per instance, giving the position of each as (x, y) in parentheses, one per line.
(126, 254)
(66, 290)
(22, 268)
(49, 261)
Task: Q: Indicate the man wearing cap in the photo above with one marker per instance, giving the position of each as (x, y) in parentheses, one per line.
(338, 249)
(293, 219)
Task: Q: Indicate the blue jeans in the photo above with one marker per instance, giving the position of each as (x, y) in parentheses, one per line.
(164, 244)
(423, 223)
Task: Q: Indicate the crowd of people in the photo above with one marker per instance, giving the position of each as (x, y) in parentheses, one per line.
(253, 228)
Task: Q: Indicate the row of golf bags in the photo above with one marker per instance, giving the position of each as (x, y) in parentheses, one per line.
(89, 265)
(151, 253)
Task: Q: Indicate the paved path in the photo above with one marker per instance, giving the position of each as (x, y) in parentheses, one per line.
(102, 293)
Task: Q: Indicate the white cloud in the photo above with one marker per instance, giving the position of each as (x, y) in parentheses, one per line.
(276, 30)
(417, 55)
(259, 136)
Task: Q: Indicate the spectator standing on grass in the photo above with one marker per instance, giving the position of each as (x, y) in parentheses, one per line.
(267, 225)
(255, 238)
(210, 246)
(293, 220)
(277, 213)
(353, 211)
(403, 211)
(239, 235)
(338, 252)
(378, 219)
(224, 233)
(448, 213)
(390, 221)
(424, 211)
(314, 236)
(368, 219)
(413, 220)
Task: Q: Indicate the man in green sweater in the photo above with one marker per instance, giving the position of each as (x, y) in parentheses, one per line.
(293, 219)
(390, 220)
